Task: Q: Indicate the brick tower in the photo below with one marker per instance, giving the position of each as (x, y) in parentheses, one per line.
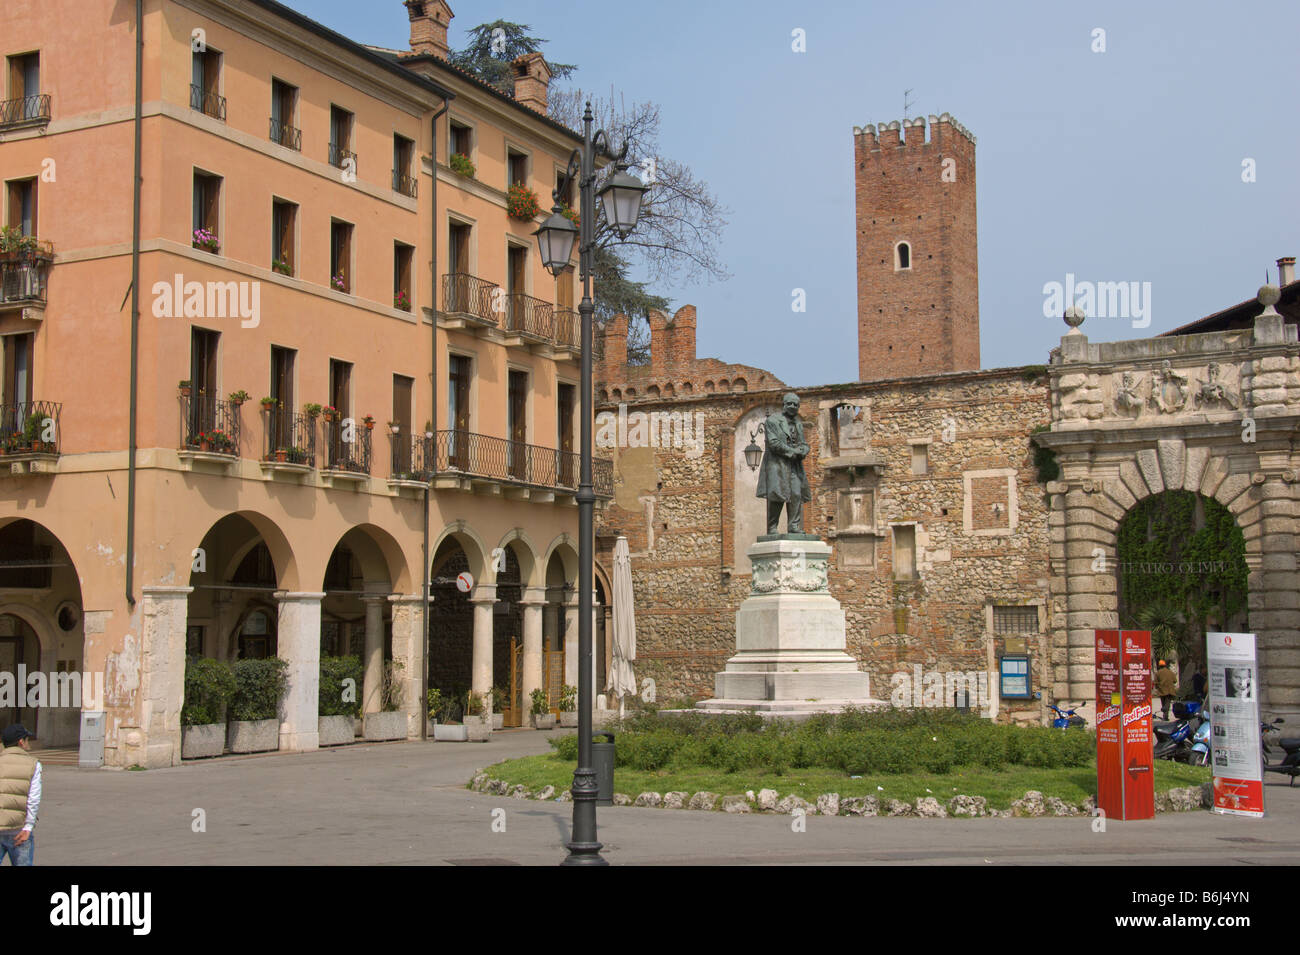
(918, 288)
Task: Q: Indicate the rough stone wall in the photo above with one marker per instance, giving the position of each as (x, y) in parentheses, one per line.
(921, 320)
(679, 510)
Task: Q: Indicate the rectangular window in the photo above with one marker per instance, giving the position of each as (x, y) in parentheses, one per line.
(207, 211)
(516, 276)
(458, 370)
(284, 222)
(517, 167)
(458, 249)
(920, 458)
(1015, 620)
(905, 552)
(404, 442)
(22, 205)
(402, 258)
(564, 406)
(403, 153)
(282, 392)
(284, 115)
(25, 101)
(19, 358)
(205, 83)
(341, 256)
(459, 141)
(341, 386)
(202, 418)
(566, 193)
(341, 138)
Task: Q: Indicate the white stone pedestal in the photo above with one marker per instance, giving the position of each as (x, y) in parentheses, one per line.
(790, 647)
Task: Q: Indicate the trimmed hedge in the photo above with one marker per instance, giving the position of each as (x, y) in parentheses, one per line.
(335, 697)
(856, 743)
(209, 687)
(259, 685)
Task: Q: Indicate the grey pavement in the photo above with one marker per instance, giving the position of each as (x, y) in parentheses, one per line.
(405, 804)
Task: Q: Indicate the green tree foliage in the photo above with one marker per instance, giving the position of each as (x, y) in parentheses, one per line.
(1182, 561)
(493, 46)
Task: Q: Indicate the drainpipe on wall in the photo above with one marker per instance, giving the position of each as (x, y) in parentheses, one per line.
(433, 410)
(135, 306)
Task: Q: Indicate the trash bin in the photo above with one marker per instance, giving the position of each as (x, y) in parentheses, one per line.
(602, 760)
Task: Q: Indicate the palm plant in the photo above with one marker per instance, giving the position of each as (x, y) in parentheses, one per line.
(1168, 625)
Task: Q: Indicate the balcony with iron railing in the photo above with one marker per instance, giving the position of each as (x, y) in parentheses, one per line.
(288, 136)
(210, 428)
(469, 457)
(210, 104)
(468, 300)
(568, 328)
(406, 185)
(347, 450)
(289, 440)
(23, 275)
(339, 157)
(409, 464)
(25, 111)
(529, 319)
(29, 434)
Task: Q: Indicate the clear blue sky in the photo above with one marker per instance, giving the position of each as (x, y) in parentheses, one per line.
(1117, 166)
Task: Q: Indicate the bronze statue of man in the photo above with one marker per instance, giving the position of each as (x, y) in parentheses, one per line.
(781, 478)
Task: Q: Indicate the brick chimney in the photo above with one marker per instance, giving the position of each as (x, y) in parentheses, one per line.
(1285, 271)
(532, 78)
(429, 20)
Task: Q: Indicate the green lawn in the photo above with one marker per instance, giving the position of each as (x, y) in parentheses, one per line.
(999, 787)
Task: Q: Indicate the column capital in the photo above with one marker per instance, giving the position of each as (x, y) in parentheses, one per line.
(483, 593)
(533, 597)
(299, 596)
(374, 598)
(408, 598)
(159, 590)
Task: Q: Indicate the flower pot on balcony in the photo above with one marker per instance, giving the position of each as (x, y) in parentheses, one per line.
(186, 391)
(207, 739)
(281, 454)
(336, 730)
(479, 728)
(384, 726)
(205, 445)
(253, 736)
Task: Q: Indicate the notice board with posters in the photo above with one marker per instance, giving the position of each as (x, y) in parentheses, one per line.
(1125, 783)
(1234, 724)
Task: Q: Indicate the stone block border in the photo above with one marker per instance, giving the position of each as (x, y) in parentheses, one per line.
(1032, 805)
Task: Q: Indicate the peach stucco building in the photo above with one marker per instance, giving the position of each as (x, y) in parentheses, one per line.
(303, 239)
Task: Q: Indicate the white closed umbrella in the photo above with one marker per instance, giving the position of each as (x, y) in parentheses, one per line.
(622, 679)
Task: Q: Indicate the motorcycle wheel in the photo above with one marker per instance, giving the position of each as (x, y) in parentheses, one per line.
(1198, 759)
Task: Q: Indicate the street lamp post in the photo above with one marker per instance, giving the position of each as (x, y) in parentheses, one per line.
(621, 197)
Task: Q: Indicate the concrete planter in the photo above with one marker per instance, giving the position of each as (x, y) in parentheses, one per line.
(450, 733)
(383, 726)
(498, 721)
(543, 721)
(253, 736)
(337, 730)
(479, 728)
(569, 719)
(200, 741)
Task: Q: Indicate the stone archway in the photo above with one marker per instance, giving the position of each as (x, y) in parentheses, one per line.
(1133, 419)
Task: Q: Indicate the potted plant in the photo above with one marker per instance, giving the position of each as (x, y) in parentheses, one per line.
(521, 203)
(428, 429)
(402, 300)
(478, 721)
(209, 686)
(339, 283)
(568, 706)
(339, 701)
(443, 710)
(281, 266)
(206, 240)
(255, 706)
(237, 398)
(297, 455)
(186, 386)
(281, 455)
(268, 404)
(221, 441)
(543, 718)
(369, 422)
(331, 413)
(389, 723)
(311, 410)
(394, 427)
(461, 165)
(569, 213)
(499, 701)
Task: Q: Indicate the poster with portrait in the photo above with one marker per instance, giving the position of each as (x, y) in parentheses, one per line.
(1234, 722)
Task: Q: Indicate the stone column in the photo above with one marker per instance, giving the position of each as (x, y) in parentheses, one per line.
(533, 602)
(164, 613)
(485, 596)
(408, 650)
(299, 643)
(372, 695)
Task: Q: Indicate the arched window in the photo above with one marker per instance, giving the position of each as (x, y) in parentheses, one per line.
(902, 256)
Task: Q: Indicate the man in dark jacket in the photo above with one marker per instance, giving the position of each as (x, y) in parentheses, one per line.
(1166, 686)
(781, 478)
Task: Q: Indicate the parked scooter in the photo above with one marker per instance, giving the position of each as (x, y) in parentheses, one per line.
(1066, 719)
(1290, 764)
(1177, 739)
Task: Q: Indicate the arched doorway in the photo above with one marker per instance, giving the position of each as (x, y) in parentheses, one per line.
(41, 631)
(451, 625)
(232, 611)
(1181, 572)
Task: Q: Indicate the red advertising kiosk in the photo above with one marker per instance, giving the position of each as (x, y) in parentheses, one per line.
(1125, 783)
